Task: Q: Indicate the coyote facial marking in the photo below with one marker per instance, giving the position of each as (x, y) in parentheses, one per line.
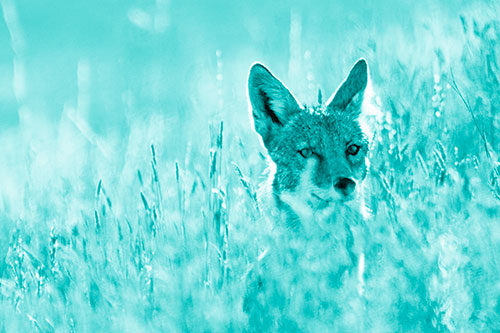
(320, 152)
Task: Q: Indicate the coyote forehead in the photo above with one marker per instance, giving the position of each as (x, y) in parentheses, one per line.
(320, 152)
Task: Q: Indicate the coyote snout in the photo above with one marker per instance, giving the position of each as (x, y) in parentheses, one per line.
(345, 186)
(319, 152)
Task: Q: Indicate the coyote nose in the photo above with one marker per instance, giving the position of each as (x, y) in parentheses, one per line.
(345, 186)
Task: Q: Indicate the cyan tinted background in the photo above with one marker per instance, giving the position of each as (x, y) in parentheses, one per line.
(160, 56)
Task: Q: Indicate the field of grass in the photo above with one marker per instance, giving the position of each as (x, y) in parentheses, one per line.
(156, 226)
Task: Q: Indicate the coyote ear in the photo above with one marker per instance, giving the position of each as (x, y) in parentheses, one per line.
(272, 103)
(350, 93)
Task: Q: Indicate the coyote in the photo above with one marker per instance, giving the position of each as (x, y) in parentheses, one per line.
(318, 153)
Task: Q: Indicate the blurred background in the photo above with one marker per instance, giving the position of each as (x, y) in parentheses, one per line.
(114, 61)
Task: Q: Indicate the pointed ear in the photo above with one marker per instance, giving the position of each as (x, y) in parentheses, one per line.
(272, 103)
(349, 95)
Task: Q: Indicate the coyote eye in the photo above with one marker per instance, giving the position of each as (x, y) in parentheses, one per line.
(353, 150)
(306, 152)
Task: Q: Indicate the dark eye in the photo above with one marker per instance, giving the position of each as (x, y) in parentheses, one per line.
(306, 152)
(353, 150)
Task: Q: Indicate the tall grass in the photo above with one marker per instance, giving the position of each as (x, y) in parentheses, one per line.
(157, 244)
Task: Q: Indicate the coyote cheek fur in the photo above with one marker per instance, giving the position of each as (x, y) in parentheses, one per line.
(319, 152)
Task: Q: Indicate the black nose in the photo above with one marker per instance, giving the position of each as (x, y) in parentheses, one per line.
(345, 186)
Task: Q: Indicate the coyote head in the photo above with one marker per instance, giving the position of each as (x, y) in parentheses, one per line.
(320, 152)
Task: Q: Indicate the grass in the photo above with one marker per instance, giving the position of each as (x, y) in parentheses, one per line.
(155, 244)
